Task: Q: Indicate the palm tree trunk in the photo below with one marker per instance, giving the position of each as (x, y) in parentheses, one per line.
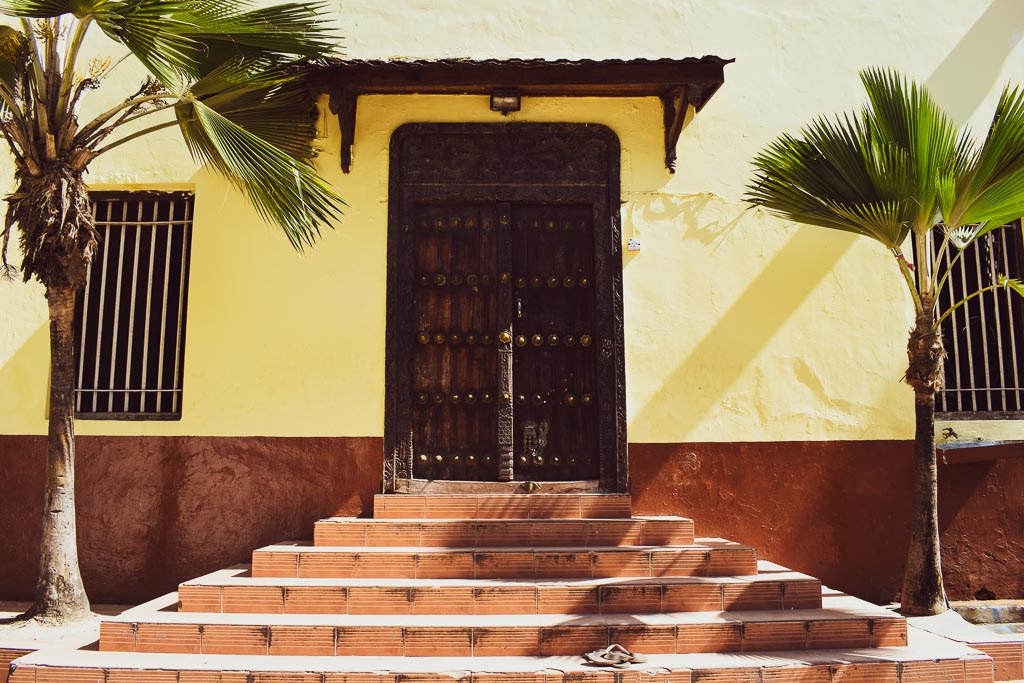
(923, 591)
(60, 594)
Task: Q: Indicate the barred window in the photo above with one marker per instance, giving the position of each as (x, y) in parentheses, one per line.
(984, 338)
(130, 318)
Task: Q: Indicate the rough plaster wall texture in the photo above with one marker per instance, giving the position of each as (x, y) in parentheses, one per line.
(733, 321)
(839, 510)
(156, 511)
(737, 323)
(981, 512)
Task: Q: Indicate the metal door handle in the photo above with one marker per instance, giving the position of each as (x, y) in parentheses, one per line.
(519, 308)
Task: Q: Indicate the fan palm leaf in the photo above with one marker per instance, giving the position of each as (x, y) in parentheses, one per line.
(830, 177)
(283, 190)
(994, 181)
(237, 74)
(151, 29)
(252, 120)
(884, 173)
(232, 27)
(905, 120)
(173, 38)
(271, 101)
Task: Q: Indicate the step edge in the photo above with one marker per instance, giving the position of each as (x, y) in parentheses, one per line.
(660, 619)
(407, 549)
(373, 664)
(583, 582)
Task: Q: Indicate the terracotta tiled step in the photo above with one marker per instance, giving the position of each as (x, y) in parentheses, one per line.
(505, 506)
(1008, 659)
(933, 663)
(1005, 649)
(234, 591)
(351, 531)
(504, 635)
(8, 655)
(707, 557)
(928, 658)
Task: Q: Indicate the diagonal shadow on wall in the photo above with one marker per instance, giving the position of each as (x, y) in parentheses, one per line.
(970, 71)
(744, 330)
(960, 83)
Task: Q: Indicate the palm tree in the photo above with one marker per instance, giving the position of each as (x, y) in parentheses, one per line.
(230, 77)
(901, 169)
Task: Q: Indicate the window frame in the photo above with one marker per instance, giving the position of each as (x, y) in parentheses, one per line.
(174, 334)
(995, 307)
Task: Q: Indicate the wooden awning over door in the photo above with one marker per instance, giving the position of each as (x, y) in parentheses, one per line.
(681, 84)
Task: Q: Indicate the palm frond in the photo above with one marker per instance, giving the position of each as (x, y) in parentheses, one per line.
(13, 58)
(283, 190)
(151, 29)
(889, 168)
(283, 115)
(904, 117)
(290, 29)
(173, 38)
(995, 188)
(47, 9)
(829, 177)
(883, 221)
(961, 237)
(242, 73)
(157, 36)
(270, 100)
(237, 71)
(902, 165)
(840, 143)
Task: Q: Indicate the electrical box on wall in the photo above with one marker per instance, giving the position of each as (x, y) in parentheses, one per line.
(633, 244)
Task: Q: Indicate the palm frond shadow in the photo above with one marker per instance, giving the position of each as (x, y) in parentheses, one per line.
(688, 211)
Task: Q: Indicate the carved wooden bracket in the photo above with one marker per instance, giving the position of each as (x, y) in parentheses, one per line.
(676, 107)
(679, 83)
(343, 103)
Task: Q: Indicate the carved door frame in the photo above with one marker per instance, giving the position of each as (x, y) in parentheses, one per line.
(505, 162)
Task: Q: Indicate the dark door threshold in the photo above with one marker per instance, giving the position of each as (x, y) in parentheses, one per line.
(445, 486)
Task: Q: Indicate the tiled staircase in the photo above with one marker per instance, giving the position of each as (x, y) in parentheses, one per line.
(506, 589)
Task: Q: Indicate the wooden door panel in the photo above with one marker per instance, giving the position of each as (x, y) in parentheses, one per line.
(476, 276)
(456, 313)
(555, 362)
(445, 413)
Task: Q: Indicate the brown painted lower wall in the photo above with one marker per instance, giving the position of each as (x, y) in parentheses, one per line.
(840, 510)
(155, 511)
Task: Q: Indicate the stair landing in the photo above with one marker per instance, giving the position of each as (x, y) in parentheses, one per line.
(506, 589)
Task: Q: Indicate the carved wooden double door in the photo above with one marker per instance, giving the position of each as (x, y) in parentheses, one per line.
(504, 347)
(505, 367)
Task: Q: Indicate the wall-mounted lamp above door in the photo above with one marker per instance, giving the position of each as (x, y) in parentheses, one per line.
(505, 101)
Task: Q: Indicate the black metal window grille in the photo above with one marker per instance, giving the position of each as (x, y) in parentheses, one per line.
(984, 338)
(130, 318)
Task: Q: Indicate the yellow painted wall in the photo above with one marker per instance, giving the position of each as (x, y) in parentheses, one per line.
(739, 326)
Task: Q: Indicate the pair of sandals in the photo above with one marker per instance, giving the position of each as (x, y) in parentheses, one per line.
(615, 656)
